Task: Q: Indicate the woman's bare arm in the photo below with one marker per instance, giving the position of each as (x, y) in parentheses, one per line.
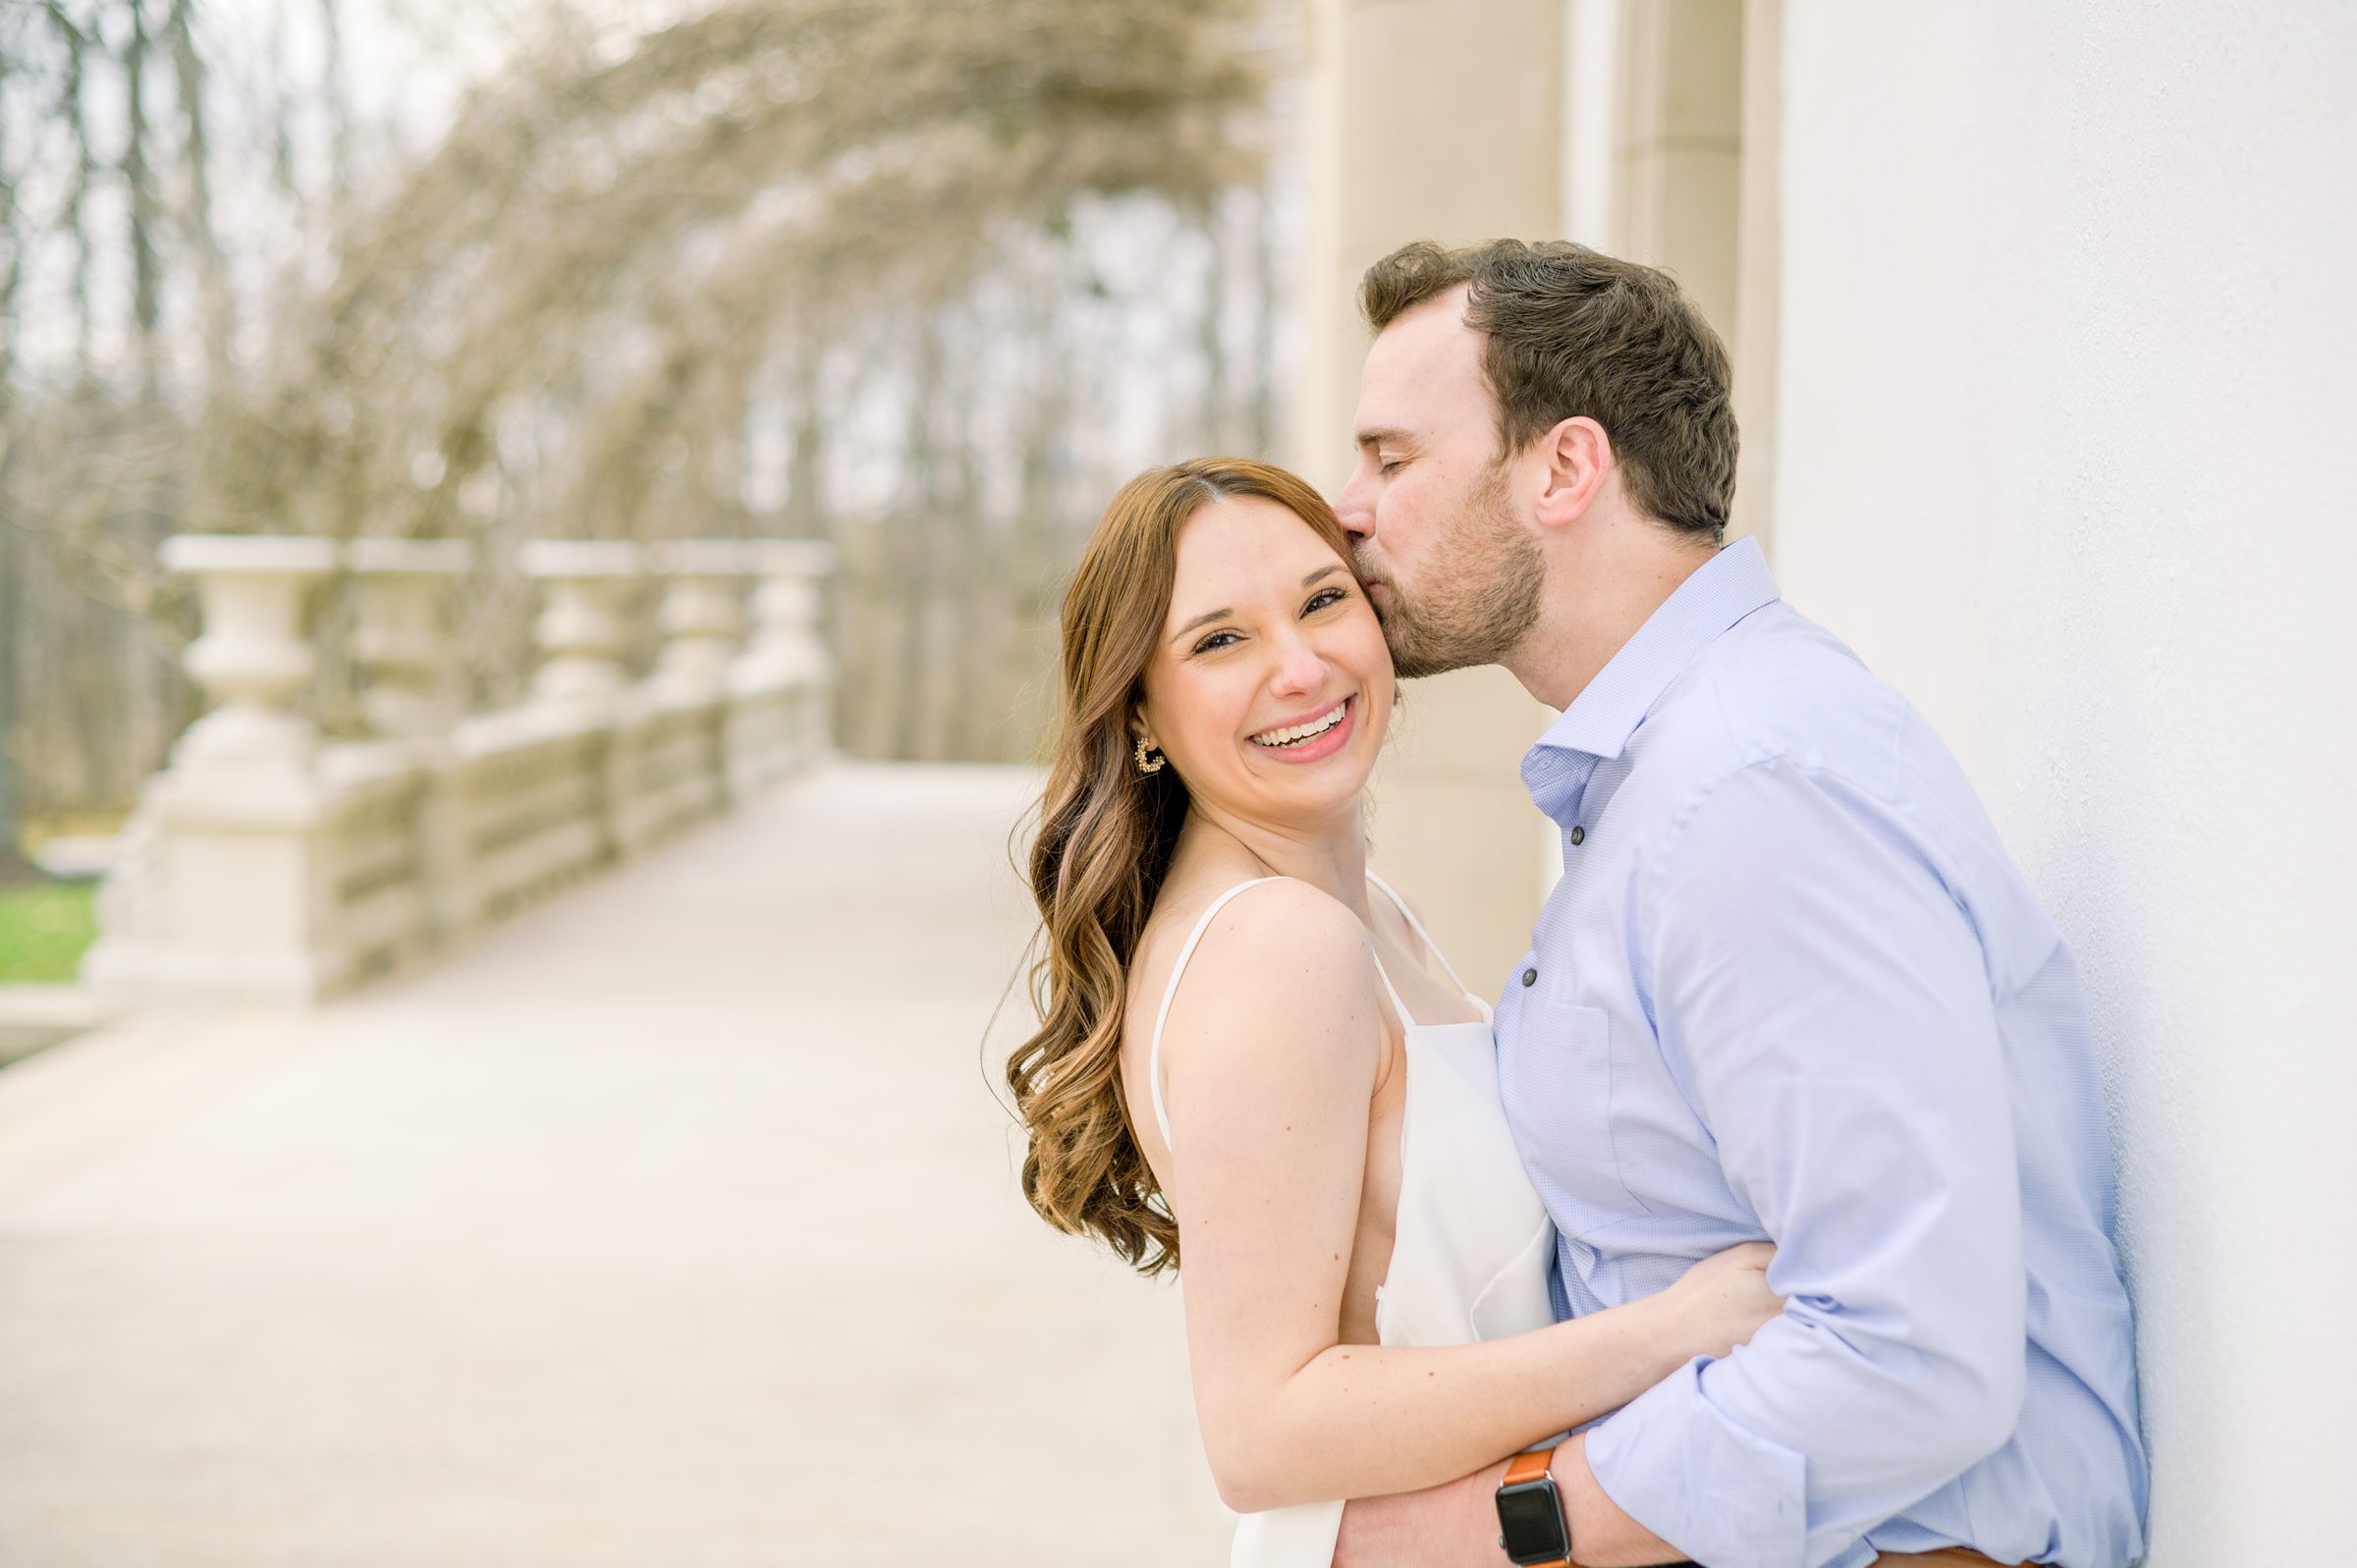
(1269, 1062)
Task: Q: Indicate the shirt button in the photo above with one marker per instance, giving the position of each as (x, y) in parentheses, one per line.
(1579, 835)
(1530, 977)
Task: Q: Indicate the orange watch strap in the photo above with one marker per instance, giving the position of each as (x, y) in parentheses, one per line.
(1528, 1467)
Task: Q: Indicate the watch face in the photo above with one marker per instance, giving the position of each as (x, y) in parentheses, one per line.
(1533, 1522)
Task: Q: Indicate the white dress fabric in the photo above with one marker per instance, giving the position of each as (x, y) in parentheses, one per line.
(1472, 1244)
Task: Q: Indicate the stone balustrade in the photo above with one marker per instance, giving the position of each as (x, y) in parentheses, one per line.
(263, 865)
(781, 687)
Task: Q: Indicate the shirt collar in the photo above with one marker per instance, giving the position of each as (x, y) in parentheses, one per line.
(1725, 588)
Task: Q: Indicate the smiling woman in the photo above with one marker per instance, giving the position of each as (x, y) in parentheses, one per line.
(1107, 827)
(1289, 670)
(1240, 1023)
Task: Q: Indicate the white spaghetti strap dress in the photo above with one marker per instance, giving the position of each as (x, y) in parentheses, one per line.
(1473, 1242)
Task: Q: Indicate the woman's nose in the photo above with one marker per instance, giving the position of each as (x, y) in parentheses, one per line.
(1299, 669)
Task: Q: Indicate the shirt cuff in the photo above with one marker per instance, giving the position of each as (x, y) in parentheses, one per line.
(1719, 1492)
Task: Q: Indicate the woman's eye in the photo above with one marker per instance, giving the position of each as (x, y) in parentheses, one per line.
(1324, 598)
(1215, 642)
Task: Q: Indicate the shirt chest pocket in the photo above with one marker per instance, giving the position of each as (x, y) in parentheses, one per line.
(1559, 1086)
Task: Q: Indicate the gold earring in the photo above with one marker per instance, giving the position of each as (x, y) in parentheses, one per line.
(1146, 764)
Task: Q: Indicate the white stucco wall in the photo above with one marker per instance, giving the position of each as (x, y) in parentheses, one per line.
(2070, 453)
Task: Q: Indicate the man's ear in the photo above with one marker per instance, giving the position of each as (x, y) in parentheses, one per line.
(1576, 456)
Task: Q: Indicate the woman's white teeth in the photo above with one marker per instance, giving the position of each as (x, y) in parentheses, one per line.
(1300, 733)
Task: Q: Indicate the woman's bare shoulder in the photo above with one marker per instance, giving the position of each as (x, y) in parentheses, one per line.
(1283, 922)
(1272, 955)
(1280, 917)
(1179, 906)
(1283, 958)
(1276, 1010)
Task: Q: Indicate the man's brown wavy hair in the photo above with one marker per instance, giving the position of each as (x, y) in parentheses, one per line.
(1105, 836)
(1566, 332)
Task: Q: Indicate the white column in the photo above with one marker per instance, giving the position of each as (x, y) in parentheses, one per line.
(1478, 158)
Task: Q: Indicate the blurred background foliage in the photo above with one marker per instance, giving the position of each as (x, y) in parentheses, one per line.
(925, 277)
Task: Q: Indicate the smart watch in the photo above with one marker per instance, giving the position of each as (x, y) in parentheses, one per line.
(1530, 1514)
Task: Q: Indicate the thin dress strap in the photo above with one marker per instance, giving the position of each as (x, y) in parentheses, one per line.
(1422, 936)
(1170, 994)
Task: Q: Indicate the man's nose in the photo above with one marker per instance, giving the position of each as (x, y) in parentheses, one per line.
(1356, 512)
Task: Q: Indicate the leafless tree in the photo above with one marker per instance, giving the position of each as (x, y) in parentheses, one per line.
(641, 278)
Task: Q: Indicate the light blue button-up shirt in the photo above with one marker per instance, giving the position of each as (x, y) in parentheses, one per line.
(1791, 988)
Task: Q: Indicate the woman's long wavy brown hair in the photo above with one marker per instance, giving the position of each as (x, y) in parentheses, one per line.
(1106, 832)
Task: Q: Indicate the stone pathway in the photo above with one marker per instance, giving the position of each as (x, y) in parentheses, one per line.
(671, 1223)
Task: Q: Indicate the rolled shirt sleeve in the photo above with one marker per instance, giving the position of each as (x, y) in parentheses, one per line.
(1822, 1001)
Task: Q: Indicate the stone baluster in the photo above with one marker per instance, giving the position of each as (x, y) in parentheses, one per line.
(580, 629)
(787, 647)
(402, 642)
(702, 615)
(251, 656)
(227, 897)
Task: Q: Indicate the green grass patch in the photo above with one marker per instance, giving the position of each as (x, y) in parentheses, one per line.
(43, 928)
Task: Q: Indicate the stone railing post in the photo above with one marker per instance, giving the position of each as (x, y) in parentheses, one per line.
(788, 648)
(582, 632)
(580, 628)
(252, 655)
(702, 615)
(402, 642)
(224, 893)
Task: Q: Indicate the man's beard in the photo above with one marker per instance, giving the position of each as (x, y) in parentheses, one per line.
(1486, 598)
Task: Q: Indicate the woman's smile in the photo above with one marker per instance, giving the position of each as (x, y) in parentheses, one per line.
(1321, 736)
